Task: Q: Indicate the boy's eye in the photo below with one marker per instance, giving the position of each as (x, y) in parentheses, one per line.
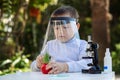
(56, 28)
(65, 27)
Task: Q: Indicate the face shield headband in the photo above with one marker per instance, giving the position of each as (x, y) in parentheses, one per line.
(67, 19)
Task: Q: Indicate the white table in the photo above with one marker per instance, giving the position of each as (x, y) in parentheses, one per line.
(62, 76)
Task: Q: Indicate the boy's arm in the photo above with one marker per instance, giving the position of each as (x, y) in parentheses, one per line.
(36, 64)
(76, 66)
(34, 67)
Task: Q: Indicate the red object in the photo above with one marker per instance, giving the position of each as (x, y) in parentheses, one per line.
(43, 69)
(34, 12)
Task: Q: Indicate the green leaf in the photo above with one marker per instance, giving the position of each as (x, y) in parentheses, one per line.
(16, 61)
(6, 62)
(46, 58)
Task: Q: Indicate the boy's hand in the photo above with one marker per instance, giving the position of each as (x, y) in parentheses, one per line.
(57, 67)
(39, 61)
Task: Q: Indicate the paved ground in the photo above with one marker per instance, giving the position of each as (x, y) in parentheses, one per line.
(117, 77)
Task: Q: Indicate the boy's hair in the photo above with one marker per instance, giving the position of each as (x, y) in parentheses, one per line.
(66, 10)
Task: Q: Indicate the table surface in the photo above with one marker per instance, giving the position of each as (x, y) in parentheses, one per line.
(62, 76)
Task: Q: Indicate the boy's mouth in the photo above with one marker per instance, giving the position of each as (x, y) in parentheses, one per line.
(62, 36)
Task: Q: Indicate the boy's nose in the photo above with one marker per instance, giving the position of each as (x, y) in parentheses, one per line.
(61, 31)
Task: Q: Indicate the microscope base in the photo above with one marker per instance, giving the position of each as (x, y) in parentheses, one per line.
(91, 71)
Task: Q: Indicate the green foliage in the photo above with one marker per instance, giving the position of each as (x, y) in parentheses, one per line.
(6, 7)
(116, 59)
(41, 4)
(85, 27)
(41, 1)
(115, 32)
(18, 62)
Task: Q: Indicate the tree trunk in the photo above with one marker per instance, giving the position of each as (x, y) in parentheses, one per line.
(100, 26)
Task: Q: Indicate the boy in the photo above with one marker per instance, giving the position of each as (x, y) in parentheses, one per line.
(66, 49)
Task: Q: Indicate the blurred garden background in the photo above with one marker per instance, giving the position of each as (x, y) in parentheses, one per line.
(23, 25)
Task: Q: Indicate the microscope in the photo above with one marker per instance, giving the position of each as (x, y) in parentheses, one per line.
(92, 53)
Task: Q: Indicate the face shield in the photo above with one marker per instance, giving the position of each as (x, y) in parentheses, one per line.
(62, 29)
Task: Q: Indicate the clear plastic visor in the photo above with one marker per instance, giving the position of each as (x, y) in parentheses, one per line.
(62, 29)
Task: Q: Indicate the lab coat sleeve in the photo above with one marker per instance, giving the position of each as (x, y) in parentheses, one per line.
(34, 67)
(77, 66)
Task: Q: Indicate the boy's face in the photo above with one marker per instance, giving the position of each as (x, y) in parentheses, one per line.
(63, 30)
